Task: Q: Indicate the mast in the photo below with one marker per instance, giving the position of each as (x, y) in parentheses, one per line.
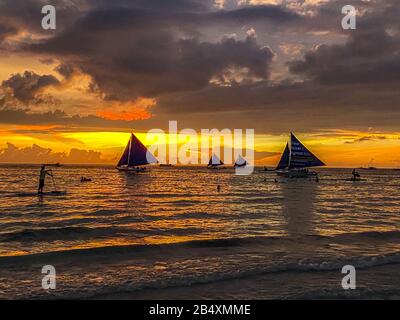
(136, 154)
(130, 148)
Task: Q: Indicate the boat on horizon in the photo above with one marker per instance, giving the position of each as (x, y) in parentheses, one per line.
(240, 162)
(215, 162)
(296, 159)
(369, 166)
(135, 157)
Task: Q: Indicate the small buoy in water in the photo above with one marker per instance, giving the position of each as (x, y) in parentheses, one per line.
(276, 181)
(218, 188)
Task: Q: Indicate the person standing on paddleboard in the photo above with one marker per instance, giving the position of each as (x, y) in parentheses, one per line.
(42, 178)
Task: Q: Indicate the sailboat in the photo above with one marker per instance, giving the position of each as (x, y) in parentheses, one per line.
(215, 162)
(135, 156)
(370, 166)
(240, 162)
(296, 159)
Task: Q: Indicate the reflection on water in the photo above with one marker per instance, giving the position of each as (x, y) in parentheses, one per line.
(298, 210)
(168, 205)
(251, 226)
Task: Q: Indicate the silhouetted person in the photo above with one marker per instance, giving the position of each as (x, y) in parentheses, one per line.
(218, 188)
(42, 177)
(355, 175)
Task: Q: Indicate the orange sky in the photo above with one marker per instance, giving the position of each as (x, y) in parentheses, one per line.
(341, 150)
(337, 148)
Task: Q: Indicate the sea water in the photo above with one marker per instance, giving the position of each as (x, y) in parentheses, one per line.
(170, 233)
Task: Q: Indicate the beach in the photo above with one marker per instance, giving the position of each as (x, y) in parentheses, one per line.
(169, 234)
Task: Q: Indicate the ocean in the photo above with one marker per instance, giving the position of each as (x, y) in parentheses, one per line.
(169, 234)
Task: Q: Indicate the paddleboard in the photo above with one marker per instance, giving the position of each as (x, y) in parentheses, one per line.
(44, 194)
(53, 193)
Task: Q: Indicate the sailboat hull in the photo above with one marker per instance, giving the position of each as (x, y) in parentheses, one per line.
(293, 174)
(132, 170)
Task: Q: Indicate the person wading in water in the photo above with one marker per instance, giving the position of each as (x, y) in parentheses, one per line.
(42, 177)
(356, 175)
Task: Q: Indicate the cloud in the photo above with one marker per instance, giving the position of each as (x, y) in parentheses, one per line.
(367, 57)
(62, 122)
(178, 54)
(156, 62)
(37, 154)
(65, 70)
(368, 138)
(5, 31)
(128, 111)
(26, 87)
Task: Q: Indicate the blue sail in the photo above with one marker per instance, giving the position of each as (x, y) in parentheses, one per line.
(301, 157)
(136, 154)
(284, 162)
(125, 156)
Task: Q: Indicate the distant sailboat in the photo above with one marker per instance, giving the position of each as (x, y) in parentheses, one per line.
(240, 162)
(295, 160)
(135, 156)
(215, 162)
(370, 166)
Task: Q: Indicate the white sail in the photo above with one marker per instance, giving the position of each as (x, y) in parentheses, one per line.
(215, 161)
(240, 162)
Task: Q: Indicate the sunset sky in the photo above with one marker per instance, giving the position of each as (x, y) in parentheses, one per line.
(73, 94)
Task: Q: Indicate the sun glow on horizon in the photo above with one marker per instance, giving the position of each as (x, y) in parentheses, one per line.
(338, 149)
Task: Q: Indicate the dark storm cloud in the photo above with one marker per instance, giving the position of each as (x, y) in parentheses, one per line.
(146, 48)
(286, 107)
(170, 50)
(368, 56)
(64, 69)
(149, 62)
(6, 31)
(24, 87)
(25, 16)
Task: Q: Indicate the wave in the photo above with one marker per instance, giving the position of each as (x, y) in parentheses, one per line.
(248, 242)
(46, 234)
(377, 235)
(84, 233)
(129, 286)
